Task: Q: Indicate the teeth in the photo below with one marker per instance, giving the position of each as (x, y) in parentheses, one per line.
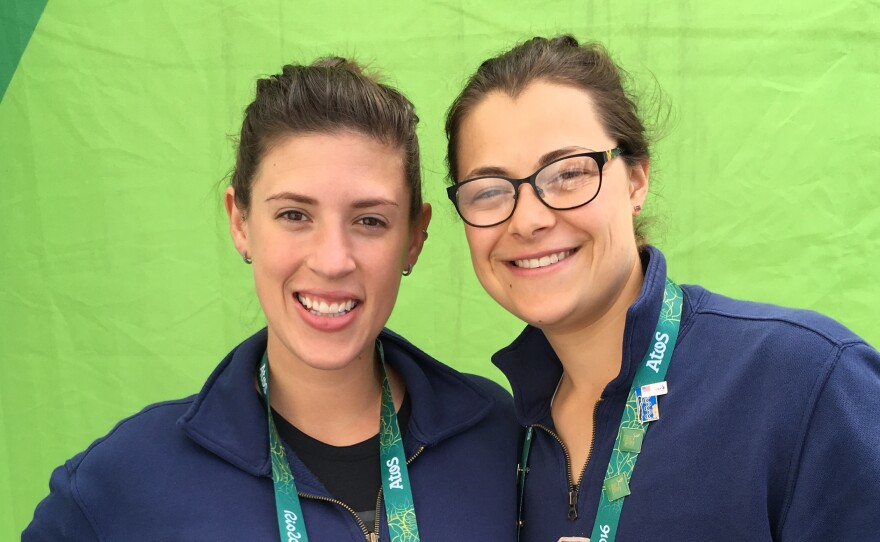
(321, 308)
(535, 263)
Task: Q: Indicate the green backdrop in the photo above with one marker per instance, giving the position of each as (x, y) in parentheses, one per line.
(120, 286)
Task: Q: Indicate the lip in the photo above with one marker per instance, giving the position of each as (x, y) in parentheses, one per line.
(327, 323)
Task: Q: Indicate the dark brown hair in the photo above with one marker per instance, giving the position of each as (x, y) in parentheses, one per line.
(560, 60)
(331, 95)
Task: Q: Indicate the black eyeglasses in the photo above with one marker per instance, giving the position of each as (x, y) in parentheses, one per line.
(565, 183)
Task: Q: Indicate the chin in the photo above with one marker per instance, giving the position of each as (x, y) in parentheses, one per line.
(329, 362)
(327, 357)
(322, 351)
(540, 318)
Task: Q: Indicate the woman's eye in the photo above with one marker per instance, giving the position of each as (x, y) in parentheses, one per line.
(293, 215)
(372, 222)
(573, 173)
(489, 194)
(570, 179)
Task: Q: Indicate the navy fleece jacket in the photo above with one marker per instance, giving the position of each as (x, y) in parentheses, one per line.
(198, 468)
(770, 429)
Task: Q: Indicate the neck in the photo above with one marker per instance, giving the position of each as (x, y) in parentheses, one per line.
(340, 406)
(591, 355)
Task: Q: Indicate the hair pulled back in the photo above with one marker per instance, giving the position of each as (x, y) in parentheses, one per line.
(560, 60)
(331, 95)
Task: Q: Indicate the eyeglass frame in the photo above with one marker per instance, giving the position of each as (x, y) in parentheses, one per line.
(601, 158)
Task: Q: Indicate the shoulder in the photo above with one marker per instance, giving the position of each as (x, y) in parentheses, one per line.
(731, 314)
(797, 338)
(109, 466)
(147, 432)
(503, 414)
(771, 344)
(416, 364)
(445, 401)
(403, 352)
(490, 387)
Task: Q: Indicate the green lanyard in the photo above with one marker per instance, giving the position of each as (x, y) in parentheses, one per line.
(641, 408)
(399, 509)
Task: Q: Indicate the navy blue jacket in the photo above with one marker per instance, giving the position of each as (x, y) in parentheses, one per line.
(198, 468)
(770, 429)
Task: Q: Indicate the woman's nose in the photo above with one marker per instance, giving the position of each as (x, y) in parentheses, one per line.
(332, 253)
(530, 216)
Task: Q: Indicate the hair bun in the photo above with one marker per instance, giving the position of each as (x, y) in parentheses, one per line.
(562, 41)
(565, 40)
(338, 62)
(345, 64)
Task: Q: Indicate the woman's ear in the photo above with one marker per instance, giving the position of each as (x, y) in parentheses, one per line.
(638, 183)
(237, 223)
(419, 235)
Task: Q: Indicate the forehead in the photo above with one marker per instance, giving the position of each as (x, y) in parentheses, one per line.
(513, 132)
(330, 162)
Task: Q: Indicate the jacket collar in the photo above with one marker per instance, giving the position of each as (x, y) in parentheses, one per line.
(228, 416)
(534, 370)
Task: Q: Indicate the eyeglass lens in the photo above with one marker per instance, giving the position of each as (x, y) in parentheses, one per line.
(563, 184)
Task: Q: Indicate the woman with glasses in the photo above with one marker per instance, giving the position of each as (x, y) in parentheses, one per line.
(324, 425)
(652, 411)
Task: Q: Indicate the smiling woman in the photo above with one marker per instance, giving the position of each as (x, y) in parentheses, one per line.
(765, 426)
(325, 423)
(329, 233)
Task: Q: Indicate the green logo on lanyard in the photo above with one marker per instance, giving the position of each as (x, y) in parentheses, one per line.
(399, 508)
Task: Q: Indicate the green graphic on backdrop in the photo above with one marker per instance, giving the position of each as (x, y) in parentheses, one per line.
(18, 18)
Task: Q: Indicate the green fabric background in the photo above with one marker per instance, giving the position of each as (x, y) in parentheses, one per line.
(120, 286)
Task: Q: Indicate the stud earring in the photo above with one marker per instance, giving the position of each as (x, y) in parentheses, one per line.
(244, 256)
(408, 271)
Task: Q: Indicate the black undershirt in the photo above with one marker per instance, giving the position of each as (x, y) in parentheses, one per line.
(350, 473)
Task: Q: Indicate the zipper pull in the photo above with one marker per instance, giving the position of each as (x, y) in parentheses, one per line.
(573, 503)
(373, 537)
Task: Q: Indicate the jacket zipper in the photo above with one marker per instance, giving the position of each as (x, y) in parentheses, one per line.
(351, 510)
(574, 487)
(368, 536)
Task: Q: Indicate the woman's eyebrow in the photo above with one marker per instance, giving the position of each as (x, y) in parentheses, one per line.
(299, 198)
(486, 171)
(373, 202)
(560, 153)
(306, 200)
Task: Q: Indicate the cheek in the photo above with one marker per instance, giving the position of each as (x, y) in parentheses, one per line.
(270, 277)
(383, 260)
(479, 252)
(276, 258)
(480, 242)
(606, 216)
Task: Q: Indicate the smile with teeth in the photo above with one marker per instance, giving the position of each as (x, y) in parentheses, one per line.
(321, 308)
(535, 263)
